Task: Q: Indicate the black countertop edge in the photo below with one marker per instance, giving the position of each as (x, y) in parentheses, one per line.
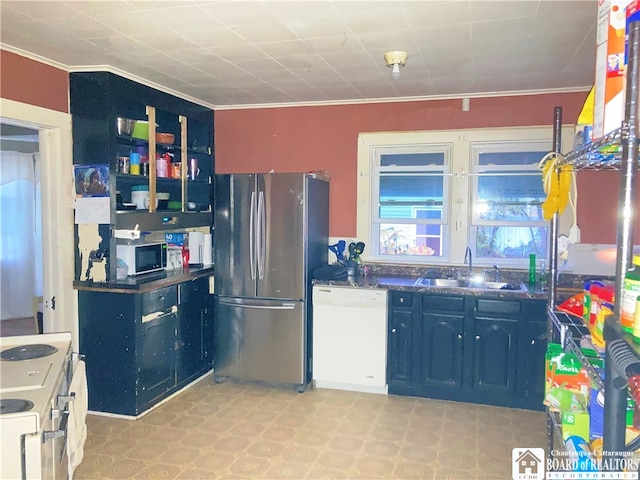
(148, 281)
(389, 282)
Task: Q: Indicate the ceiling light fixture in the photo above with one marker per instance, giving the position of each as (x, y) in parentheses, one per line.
(395, 60)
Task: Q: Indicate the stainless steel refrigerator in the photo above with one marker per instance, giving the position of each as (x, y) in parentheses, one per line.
(271, 232)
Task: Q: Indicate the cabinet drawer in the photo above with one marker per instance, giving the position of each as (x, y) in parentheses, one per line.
(503, 307)
(402, 299)
(194, 289)
(159, 300)
(537, 310)
(443, 302)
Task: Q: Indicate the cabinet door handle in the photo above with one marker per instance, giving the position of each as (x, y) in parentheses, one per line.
(393, 330)
(477, 337)
(459, 337)
(533, 342)
(402, 300)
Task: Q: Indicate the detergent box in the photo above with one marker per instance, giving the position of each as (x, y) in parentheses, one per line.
(567, 385)
(575, 424)
(608, 110)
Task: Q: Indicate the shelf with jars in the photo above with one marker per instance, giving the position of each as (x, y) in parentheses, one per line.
(158, 150)
(156, 175)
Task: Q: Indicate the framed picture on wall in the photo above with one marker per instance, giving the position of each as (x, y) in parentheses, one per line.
(91, 180)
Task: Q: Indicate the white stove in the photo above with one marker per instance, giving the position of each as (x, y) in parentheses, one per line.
(35, 375)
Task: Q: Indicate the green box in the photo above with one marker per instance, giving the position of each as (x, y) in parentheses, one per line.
(575, 423)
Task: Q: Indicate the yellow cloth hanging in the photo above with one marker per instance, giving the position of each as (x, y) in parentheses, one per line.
(556, 180)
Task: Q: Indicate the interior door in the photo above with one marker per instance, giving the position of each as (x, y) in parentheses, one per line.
(234, 248)
(281, 207)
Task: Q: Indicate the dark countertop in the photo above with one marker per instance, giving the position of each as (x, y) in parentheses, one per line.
(407, 283)
(148, 281)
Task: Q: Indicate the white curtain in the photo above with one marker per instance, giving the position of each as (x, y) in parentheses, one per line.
(20, 233)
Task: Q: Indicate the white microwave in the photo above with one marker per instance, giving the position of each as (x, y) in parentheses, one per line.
(143, 257)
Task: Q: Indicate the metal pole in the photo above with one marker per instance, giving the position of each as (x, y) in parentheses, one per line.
(628, 164)
(553, 261)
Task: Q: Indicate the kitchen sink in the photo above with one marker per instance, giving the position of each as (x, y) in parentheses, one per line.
(463, 283)
(503, 286)
(441, 282)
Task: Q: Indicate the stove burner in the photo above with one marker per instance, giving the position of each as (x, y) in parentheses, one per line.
(14, 405)
(28, 352)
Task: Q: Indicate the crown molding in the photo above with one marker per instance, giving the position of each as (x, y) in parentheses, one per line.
(162, 88)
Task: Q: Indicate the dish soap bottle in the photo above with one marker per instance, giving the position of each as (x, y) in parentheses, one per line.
(532, 269)
(630, 292)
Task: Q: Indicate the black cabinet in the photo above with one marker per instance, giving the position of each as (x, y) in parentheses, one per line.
(142, 347)
(533, 347)
(441, 345)
(97, 100)
(466, 348)
(495, 344)
(400, 338)
(195, 335)
(494, 355)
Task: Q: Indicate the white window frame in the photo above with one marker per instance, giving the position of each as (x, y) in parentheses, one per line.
(478, 148)
(459, 218)
(443, 170)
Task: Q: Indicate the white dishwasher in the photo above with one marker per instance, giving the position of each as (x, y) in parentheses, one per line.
(350, 338)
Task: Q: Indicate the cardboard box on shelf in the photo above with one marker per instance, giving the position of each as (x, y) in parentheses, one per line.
(610, 64)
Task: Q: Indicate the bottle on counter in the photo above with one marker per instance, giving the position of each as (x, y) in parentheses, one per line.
(630, 293)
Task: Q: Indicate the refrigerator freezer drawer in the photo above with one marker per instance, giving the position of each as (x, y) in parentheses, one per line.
(260, 340)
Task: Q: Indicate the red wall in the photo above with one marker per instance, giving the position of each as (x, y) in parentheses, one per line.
(294, 139)
(598, 197)
(27, 81)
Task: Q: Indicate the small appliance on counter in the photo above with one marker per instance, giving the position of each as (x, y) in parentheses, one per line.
(196, 248)
(143, 257)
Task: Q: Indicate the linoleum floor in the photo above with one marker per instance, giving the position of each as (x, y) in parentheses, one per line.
(237, 431)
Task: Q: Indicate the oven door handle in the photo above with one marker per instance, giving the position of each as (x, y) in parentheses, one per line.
(61, 432)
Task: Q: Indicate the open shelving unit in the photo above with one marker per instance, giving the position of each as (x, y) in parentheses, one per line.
(617, 151)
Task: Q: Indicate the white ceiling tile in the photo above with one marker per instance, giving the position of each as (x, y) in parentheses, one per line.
(499, 10)
(427, 13)
(86, 28)
(335, 44)
(265, 32)
(230, 52)
(239, 13)
(285, 49)
(214, 37)
(93, 7)
(371, 23)
(260, 65)
(45, 9)
(388, 40)
(148, 5)
(300, 10)
(318, 28)
(183, 17)
(503, 30)
(130, 24)
(167, 42)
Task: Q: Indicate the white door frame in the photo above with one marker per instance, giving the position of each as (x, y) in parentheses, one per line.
(56, 157)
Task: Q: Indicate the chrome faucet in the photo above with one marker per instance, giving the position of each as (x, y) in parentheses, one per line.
(498, 276)
(467, 257)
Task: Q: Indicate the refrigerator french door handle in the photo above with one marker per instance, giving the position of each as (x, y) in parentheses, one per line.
(261, 235)
(252, 236)
(283, 306)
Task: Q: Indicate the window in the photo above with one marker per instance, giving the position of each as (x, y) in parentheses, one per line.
(423, 197)
(506, 200)
(411, 185)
